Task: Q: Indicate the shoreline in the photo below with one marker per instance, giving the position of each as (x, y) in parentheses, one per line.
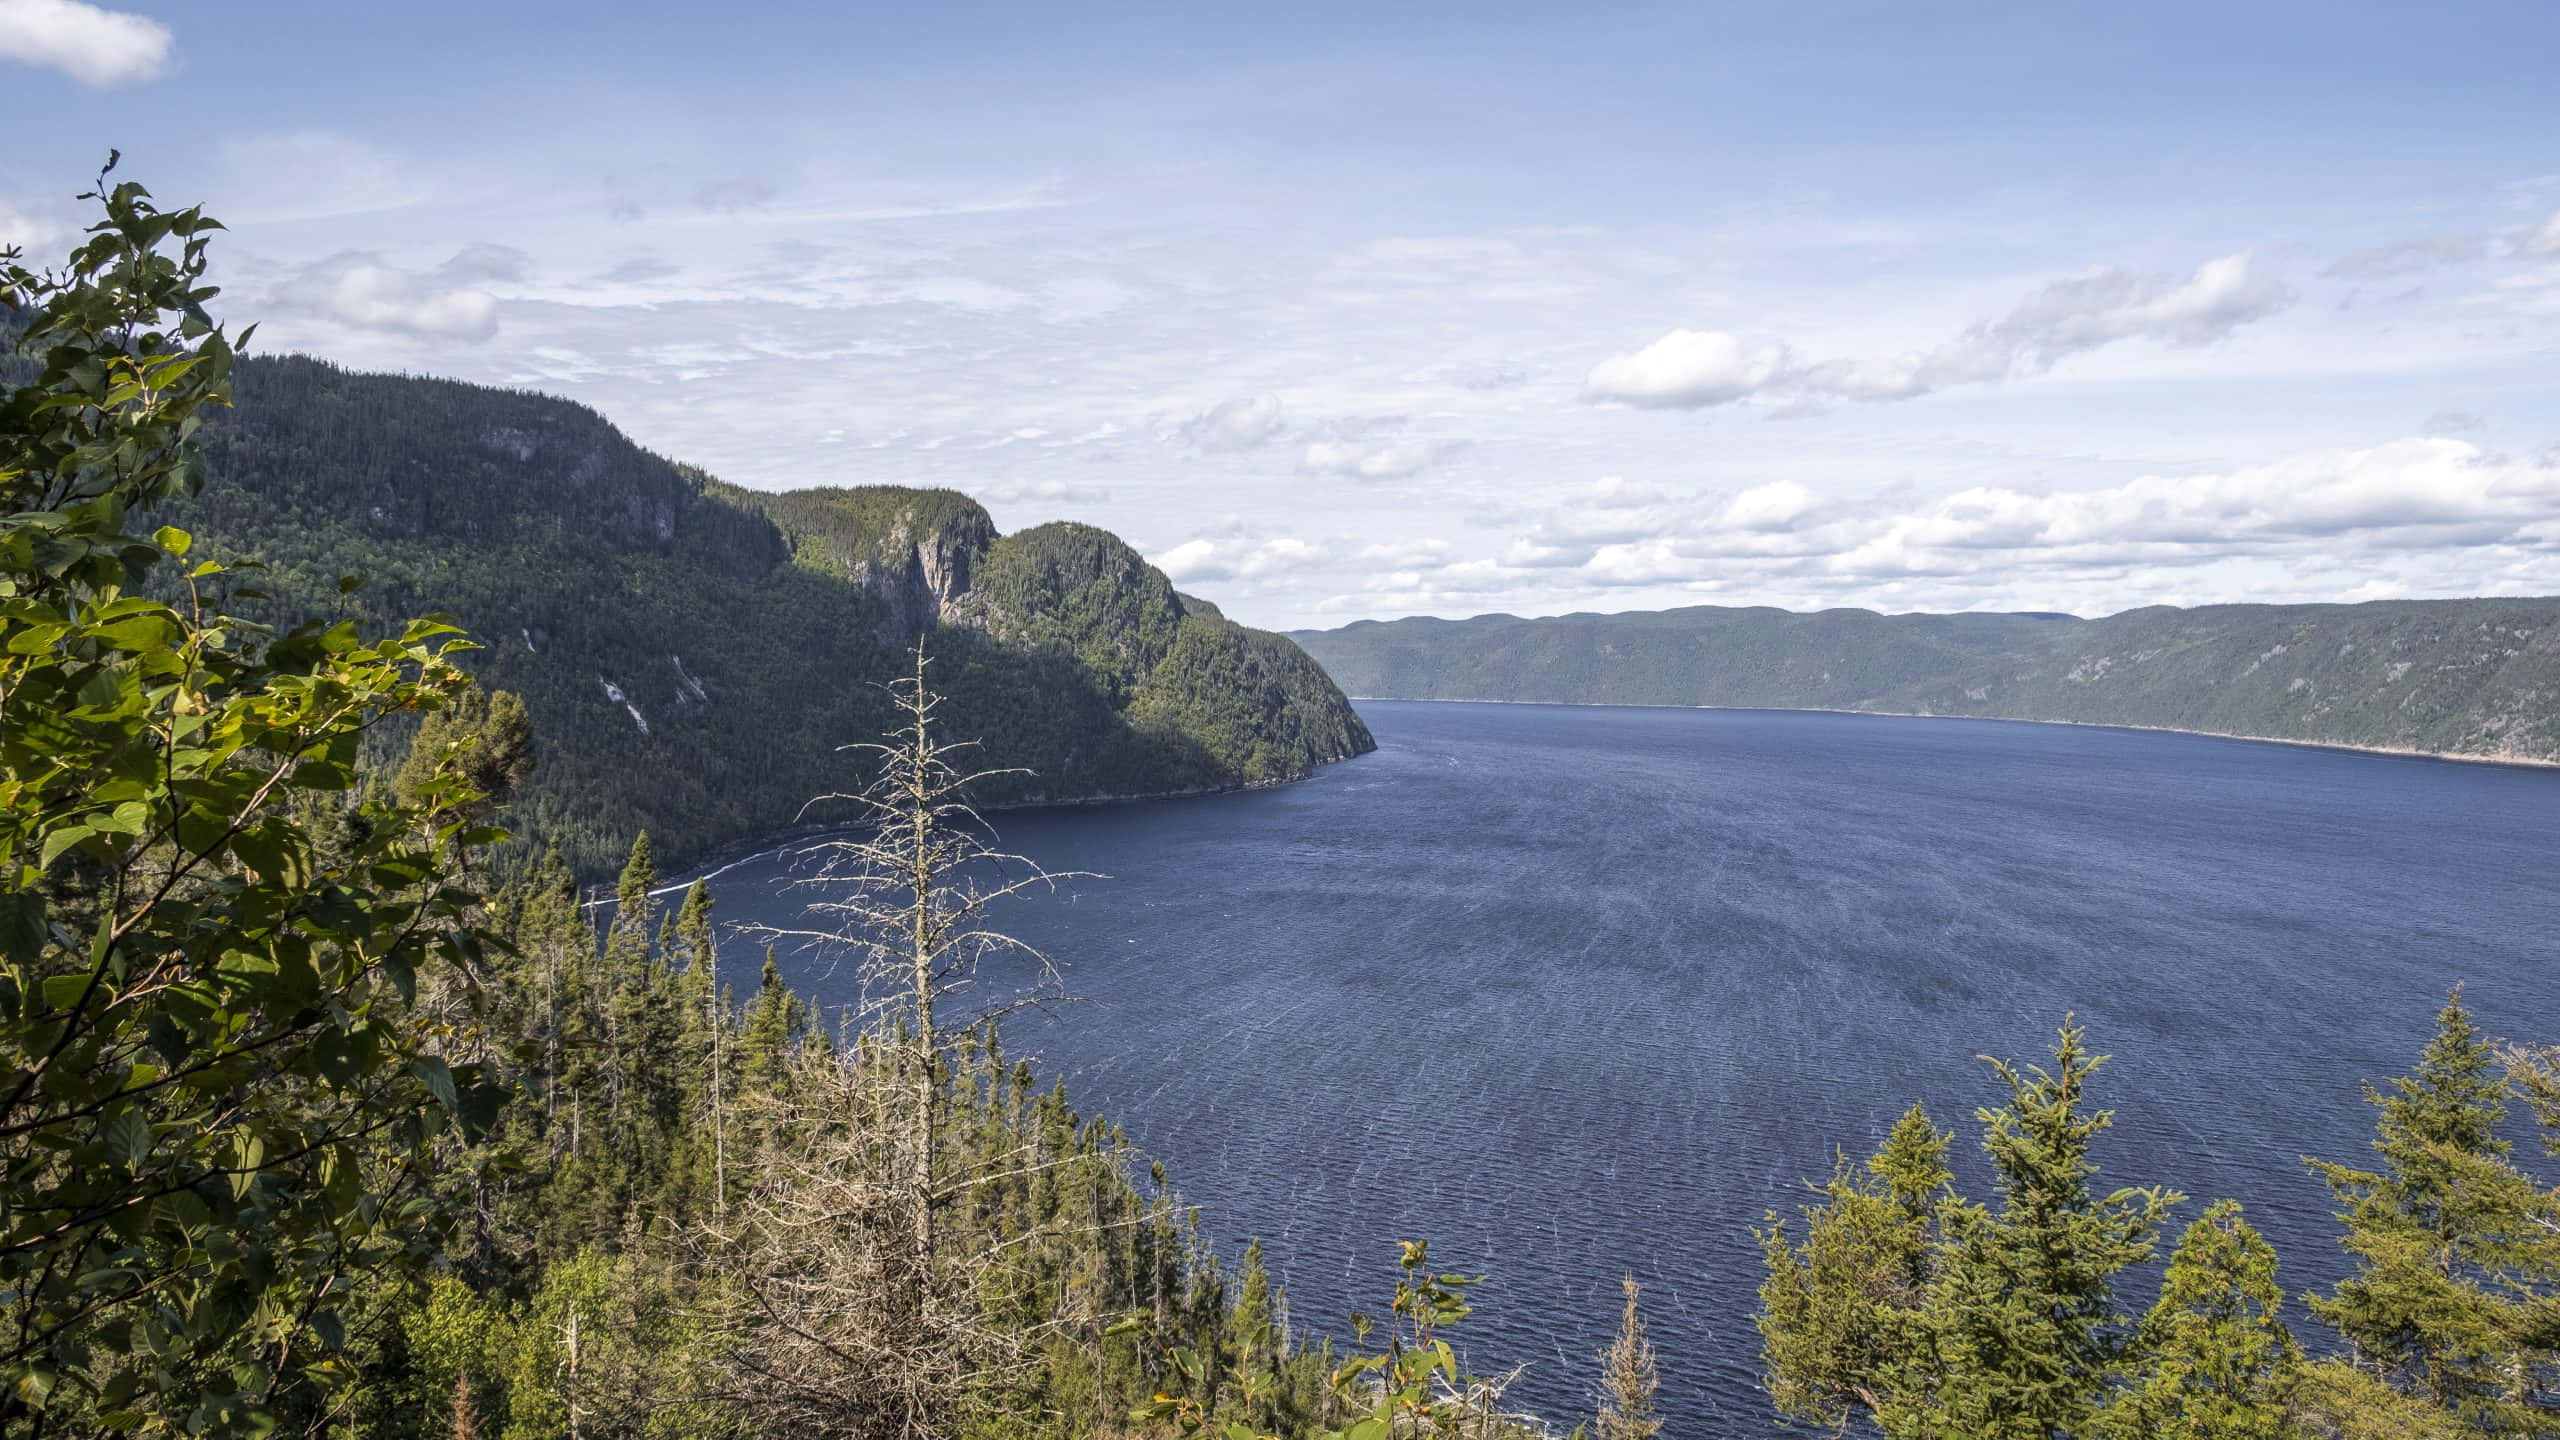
(2402, 752)
(727, 858)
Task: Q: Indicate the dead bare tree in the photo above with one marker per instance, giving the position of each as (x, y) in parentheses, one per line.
(1628, 1380)
(861, 1322)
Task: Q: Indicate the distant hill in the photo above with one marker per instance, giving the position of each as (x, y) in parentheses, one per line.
(693, 653)
(2473, 678)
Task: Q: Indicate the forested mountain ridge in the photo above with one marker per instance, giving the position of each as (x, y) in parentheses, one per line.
(2478, 679)
(693, 653)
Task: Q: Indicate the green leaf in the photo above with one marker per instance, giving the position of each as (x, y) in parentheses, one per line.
(128, 1136)
(61, 992)
(438, 1078)
(61, 840)
(22, 927)
(173, 540)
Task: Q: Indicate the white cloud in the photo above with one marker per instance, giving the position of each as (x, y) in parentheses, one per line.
(2414, 516)
(1361, 460)
(363, 291)
(1208, 559)
(1693, 369)
(30, 233)
(1530, 552)
(1774, 506)
(2405, 492)
(94, 46)
(1244, 423)
(2066, 318)
(2339, 509)
(1617, 492)
(1055, 492)
(1683, 370)
(1407, 555)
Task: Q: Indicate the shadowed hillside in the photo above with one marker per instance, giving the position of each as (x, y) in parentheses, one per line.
(694, 652)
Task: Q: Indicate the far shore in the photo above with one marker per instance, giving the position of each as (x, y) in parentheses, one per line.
(2405, 752)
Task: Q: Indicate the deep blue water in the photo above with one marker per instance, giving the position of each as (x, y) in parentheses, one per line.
(1577, 992)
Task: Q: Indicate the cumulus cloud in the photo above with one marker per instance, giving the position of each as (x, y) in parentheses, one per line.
(2409, 494)
(1532, 552)
(2420, 515)
(1776, 506)
(362, 290)
(1372, 460)
(1694, 369)
(1233, 559)
(1684, 370)
(1244, 423)
(95, 46)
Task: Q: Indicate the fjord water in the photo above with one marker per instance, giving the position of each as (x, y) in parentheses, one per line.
(1584, 992)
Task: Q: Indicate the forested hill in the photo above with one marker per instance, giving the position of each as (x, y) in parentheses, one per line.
(2475, 678)
(694, 653)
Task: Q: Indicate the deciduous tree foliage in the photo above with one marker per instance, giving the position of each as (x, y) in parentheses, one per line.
(220, 1099)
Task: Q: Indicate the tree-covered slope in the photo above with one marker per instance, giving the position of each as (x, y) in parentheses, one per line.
(2478, 678)
(693, 653)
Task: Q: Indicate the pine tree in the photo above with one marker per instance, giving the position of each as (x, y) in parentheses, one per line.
(1628, 1381)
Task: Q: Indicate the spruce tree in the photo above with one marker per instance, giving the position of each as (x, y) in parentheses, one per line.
(2027, 1319)
(1840, 1316)
(2454, 1253)
(2219, 1364)
(1941, 1317)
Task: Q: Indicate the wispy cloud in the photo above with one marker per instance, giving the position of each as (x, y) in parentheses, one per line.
(1693, 369)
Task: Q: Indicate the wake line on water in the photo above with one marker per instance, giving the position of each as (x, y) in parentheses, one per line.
(678, 887)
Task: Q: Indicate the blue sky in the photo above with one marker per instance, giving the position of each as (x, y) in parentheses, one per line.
(1344, 311)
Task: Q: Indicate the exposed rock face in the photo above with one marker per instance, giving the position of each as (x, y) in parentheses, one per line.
(917, 551)
(923, 574)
